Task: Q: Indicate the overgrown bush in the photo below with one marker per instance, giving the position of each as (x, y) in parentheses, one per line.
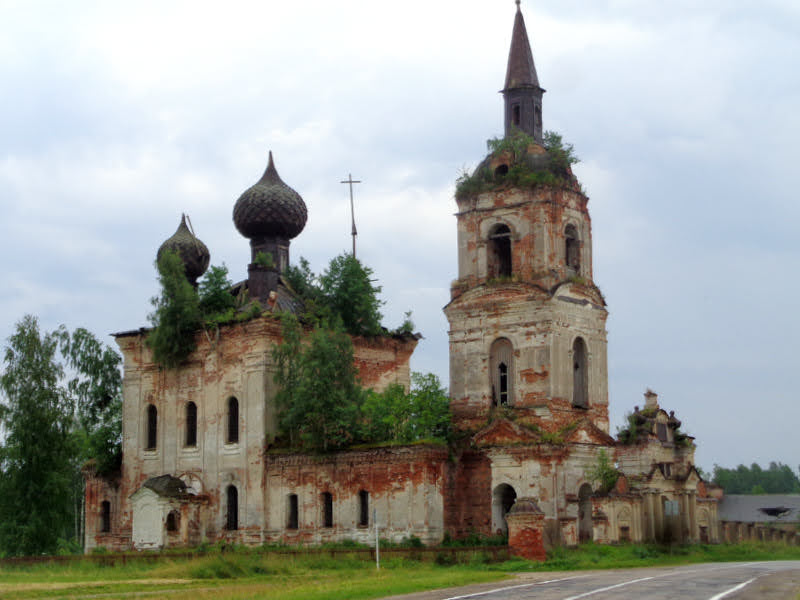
(603, 473)
(177, 314)
(521, 171)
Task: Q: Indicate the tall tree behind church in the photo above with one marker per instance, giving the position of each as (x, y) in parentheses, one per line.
(52, 425)
(36, 474)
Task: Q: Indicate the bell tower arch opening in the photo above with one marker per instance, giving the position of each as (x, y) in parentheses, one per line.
(572, 249)
(499, 252)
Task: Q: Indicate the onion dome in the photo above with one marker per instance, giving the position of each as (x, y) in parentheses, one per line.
(193, 252)
(270, 208)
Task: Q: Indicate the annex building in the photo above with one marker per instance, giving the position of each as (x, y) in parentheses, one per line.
(528, 388)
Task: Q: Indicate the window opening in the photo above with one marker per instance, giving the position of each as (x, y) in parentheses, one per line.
(500, 251)
(172, 521)
(233, 420)
(327, 509)
(363, 508)
(105, 516)
(232, 522)
(191, 424)
(579, 376)
(503, 383)
(292, 521)
(661, 432)
(573, 248)
(501, 358)
(515, 114)
(152, 427)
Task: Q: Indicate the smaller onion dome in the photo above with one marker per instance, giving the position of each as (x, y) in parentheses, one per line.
(193, 252)
(270, 208)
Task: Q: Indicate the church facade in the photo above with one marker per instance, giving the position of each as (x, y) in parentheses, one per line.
(528, 388)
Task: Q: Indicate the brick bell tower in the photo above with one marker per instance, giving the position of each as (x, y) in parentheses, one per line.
(527, 323)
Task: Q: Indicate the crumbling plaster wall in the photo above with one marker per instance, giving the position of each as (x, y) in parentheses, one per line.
(235, 362)
(552, 475)
(405, 485)
(542, 331)
(537, 219)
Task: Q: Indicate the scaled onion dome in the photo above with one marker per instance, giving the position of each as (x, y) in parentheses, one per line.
(193, 252)
(270, 208)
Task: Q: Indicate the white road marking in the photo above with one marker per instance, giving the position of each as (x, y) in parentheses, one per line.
(733, 589)
(515, 587)
(610, 587)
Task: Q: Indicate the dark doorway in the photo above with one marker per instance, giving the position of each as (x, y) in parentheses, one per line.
(503, 499)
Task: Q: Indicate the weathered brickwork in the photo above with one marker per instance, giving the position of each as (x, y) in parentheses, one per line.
(542, 307)
(403, 487)
(528, 388)
(235, 363)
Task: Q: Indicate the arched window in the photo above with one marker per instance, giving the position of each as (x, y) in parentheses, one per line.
(503, 499)
(292, 521)
(232, 520)
(191, 424)
(499, 258)
(572, 251)
(501, 359)
(327, 509)
(105, 516)
(233, 421)
(152, 427)
(580, 376)
(363, 508)
(173, 521)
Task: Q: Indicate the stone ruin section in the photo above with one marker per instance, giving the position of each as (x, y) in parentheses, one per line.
(208, 423)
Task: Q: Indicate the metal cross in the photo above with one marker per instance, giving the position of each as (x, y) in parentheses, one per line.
(351, 181)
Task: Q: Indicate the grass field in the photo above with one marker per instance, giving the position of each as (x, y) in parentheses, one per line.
(259, 574)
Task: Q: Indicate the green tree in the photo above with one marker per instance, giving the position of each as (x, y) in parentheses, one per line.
(319, 398)
(348, 290)
(36, 470)
(95, 388)
(215, 293)
(777, 479)
(177, 315)
(421, 414)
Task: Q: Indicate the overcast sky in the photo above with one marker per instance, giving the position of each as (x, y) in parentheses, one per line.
(116, 117)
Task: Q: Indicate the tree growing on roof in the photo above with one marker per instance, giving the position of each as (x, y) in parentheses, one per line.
(344, 292)
(319, 399)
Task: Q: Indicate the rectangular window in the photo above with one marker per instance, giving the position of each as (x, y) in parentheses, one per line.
(363, 508)
(292, 522)
(327, 509)
(105, 516)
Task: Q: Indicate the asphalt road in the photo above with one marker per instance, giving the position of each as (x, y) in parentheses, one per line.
(711, 581)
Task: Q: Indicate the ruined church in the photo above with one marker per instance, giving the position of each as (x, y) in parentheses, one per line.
(528, 389)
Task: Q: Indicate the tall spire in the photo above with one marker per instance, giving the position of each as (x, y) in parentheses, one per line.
(522, 93)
